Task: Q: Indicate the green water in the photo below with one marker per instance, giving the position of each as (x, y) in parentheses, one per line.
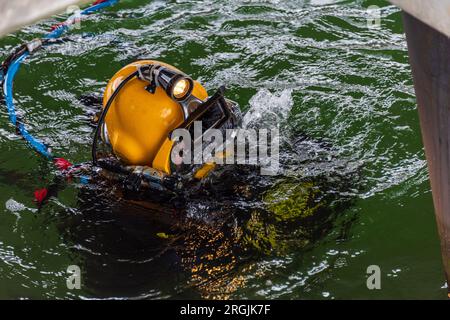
(344, 88)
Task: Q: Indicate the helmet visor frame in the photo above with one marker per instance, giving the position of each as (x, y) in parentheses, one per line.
(215, 103)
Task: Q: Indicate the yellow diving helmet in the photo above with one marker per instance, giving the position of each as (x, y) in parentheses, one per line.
(143, 103)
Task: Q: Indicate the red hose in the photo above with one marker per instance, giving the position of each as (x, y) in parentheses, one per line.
(98, 2)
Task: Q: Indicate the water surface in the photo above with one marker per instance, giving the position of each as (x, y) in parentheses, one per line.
(355, 188)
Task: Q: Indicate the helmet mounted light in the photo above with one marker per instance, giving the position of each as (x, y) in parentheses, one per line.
(177, 86)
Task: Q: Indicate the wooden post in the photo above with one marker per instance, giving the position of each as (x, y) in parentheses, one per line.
(429, 54)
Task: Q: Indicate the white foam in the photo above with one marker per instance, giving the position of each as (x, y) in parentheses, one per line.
(268, 109)
(14, 206)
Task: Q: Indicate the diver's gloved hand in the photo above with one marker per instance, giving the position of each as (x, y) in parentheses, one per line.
(133, 182)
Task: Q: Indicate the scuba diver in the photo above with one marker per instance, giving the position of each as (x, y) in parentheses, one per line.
(143, 104)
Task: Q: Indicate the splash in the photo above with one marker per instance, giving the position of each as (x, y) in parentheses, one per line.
(268, 109)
